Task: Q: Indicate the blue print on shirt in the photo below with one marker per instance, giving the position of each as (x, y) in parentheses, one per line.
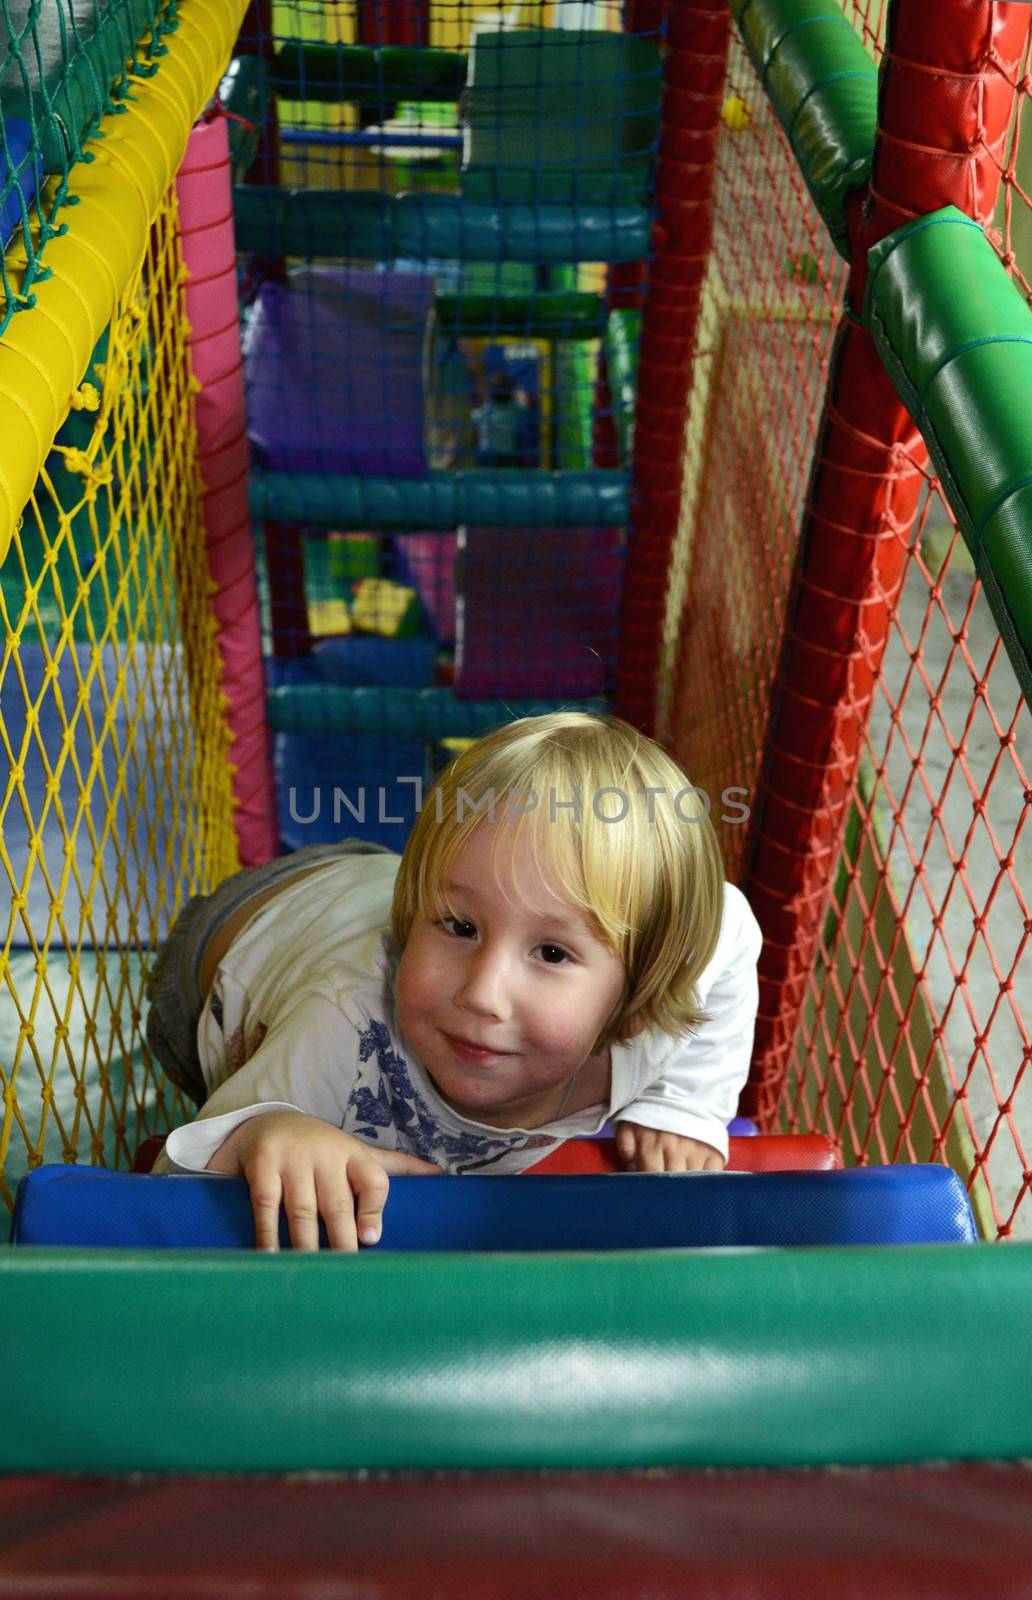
(399, 1104)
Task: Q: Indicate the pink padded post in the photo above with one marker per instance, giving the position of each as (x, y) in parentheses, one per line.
(206, 226)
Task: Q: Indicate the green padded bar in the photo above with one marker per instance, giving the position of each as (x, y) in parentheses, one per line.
(335, 73)
(421, 227)
(74, 52)
(242, 92)
(405, 712)
(224, 1362)
(507, 497)
(823, 87)
(621, 344)
(956, 339)
(554, 114)
(551, 314)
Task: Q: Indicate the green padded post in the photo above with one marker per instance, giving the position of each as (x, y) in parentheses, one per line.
(507, 497)
(560, 114)
(550, 314)
(242, 92)
(337, 73)
(367, 226)
(955, 335)
(621, 344)
(224, 1362)
(823, 88)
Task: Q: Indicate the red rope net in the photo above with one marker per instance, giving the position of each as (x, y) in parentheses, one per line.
(886, 868)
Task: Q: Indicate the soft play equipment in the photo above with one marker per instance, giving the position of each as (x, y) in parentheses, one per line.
(536, 611)
(768, 1385)
(222, 1361)
(20, 171)
(899, 1533)
(66, 1206)
(334, 361)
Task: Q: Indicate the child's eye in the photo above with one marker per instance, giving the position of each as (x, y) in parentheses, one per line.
(554, 955)
(458, 928)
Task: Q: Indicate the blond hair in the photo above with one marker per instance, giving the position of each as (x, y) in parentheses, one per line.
(650, 880)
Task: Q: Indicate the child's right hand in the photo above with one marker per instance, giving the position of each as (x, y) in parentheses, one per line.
(315, 1170)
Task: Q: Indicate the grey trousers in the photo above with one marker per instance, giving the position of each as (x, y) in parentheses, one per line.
(173, 988)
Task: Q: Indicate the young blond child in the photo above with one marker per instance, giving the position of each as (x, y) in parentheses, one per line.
(555, 948)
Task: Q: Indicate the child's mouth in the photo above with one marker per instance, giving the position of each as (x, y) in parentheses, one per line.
(466, 1050)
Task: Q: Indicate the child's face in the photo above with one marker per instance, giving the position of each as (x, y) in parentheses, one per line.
(503, 1000)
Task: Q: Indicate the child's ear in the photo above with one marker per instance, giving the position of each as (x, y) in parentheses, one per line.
(633, 1026)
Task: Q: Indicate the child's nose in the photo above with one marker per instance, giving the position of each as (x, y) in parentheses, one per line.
(485, 988)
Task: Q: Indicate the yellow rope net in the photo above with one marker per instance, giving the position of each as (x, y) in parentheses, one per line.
(115, 797)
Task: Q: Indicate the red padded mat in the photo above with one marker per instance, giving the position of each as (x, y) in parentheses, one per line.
(891, 1534)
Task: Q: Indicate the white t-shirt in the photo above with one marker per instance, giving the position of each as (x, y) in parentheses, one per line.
(301, 1016)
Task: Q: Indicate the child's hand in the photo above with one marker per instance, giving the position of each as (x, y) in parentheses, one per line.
(315, 1170)
(649, 1150)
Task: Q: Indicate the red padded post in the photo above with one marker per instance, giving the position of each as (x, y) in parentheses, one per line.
(946, 98)
(394, 22)
(693, 86)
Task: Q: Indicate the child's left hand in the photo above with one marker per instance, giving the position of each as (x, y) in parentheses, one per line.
(650, 1150)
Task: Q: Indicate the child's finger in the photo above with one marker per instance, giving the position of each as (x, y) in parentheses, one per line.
(650, 1156)
(396, 1161)
(370, 1184)
(337, 1208)
(266, 1189)
(301, 1206)
(625, 1142)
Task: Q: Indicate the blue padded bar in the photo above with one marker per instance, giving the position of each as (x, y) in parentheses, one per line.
(65, 1206)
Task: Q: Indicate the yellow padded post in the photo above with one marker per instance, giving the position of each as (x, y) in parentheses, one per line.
(136, 154)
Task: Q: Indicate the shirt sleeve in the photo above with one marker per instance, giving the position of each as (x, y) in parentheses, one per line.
(695, 1093)
(307, 1061)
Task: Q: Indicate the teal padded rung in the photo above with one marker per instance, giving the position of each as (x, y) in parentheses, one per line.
(403, 712)
(125, 1361)
(366, 226)
(955, 335)
(507, 497)
(823, 87)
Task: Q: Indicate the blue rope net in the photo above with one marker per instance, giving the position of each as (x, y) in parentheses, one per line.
(439, 210)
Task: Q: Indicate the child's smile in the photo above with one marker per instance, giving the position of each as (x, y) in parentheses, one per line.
(504, 996)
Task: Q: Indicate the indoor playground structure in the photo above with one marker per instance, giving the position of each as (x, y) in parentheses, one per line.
(373, 372)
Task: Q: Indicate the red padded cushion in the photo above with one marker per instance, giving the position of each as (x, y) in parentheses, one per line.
(148, 1152)
(765, 1152)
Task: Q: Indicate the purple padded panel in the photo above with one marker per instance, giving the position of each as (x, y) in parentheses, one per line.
(333, 362)
(537, 610)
